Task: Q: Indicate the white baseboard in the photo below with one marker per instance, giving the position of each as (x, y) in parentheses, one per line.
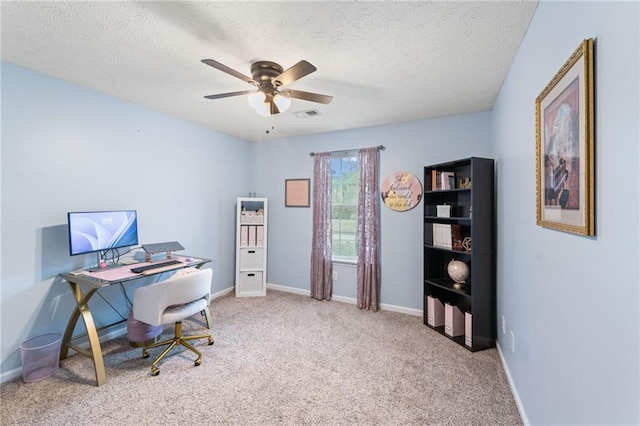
(10, 375)
(350, 300)
(222, 292)
(514, 391)
(287, 289)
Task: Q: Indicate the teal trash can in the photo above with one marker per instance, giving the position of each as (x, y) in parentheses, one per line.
(40, 357)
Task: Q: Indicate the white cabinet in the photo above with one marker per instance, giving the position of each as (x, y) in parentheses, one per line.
(251, 247)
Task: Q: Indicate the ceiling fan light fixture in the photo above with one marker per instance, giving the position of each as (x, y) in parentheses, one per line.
(281, 102)
(256, 99)
(264, 109)
(270, 78)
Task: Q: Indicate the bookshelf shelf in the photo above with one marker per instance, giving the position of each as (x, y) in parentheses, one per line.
(468, 253)
(444, 191)
(448, 219)
(470, 195)
(447, 284)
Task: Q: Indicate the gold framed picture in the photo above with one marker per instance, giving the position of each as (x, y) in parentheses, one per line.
(296, 192)
(565, 198)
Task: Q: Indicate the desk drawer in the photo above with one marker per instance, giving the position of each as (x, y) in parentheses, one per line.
(251, 258)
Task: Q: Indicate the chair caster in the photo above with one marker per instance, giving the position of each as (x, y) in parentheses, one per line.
(145, 354)
(210, 341)
(154, 371)
(198, 361)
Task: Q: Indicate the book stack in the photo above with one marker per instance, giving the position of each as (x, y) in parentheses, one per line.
(441, 180)
(442, 235)
(447, 236)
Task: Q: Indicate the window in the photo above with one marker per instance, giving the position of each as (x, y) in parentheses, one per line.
(344, 207)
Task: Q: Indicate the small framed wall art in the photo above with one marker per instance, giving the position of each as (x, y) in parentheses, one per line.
(565, 146)
(296, 192)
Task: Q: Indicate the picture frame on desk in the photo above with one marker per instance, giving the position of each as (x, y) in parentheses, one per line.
(565, 147)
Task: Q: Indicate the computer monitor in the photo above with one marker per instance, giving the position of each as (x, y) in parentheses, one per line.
(99, 231)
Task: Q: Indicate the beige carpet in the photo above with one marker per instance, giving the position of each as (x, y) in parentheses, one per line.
(280, 359)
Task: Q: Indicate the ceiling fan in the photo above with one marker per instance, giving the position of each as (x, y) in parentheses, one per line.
(270, 80)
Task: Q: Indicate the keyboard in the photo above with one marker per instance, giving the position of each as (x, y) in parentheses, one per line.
(165, 266)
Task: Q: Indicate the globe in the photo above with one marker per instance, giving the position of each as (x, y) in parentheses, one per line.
(458, 271)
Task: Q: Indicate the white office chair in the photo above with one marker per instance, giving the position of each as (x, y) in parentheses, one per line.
(170, 301)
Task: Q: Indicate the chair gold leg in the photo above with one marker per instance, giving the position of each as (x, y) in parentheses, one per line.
(154, 367)
(200, 336)
(158, 344)
(178, 339)
(198, 360)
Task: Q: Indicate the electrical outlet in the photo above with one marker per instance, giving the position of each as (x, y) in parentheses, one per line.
(504, 326)
(512, 341)
(335, 275)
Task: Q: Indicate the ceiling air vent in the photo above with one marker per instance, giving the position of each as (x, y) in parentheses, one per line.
(307, 114)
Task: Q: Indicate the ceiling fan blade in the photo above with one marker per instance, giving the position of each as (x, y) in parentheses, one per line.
(294, 73)
(228, 95)
(230, 71)
(307, 96)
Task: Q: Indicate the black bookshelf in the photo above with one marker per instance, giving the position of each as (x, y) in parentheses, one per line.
(471, 201)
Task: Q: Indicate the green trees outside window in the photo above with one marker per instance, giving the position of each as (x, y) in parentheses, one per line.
(344, 206)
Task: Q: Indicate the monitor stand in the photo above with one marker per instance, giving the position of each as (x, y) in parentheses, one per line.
(147, 256)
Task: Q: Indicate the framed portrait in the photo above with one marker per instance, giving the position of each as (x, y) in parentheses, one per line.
(296, 193)
(565, 147)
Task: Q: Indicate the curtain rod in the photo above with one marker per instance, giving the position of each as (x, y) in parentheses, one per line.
(380, 148)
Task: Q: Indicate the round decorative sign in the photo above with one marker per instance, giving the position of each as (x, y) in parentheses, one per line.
(401, 191)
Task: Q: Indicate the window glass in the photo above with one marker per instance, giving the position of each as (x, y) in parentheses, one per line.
(344, 206)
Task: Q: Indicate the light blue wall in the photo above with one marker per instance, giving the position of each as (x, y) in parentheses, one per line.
(409, 147)
(65, 148)
(572, 302)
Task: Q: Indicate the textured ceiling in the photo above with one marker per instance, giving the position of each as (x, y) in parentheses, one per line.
(383, 62)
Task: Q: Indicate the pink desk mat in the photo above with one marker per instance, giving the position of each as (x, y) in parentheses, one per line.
(124, 272)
